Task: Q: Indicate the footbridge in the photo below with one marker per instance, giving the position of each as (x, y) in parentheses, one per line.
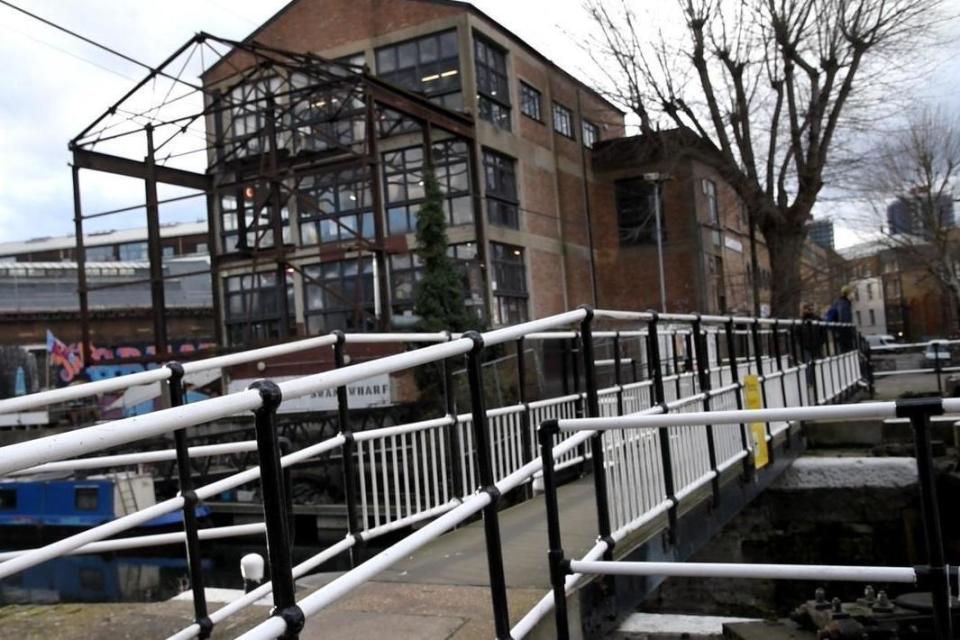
(514, 517)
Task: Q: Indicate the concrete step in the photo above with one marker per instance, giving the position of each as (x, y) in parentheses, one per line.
(664, 626)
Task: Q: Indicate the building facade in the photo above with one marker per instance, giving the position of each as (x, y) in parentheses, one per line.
(516, 181)
(820, 232)
(868, 306)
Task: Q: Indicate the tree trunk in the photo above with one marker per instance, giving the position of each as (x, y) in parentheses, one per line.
(785, 246)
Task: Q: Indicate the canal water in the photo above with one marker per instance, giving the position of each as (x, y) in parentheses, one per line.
(147, 575)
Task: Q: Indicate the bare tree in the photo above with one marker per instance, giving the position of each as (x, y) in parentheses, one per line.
(766, 84)
(916, 173)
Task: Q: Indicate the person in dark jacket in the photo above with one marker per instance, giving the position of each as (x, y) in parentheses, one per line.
(842, 311)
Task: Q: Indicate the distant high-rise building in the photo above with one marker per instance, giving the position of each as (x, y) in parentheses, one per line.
(904, 216)
(821, 233)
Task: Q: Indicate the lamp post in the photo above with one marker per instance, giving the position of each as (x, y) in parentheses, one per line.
(657, 179)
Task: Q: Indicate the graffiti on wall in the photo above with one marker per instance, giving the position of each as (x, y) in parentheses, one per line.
(67, 359)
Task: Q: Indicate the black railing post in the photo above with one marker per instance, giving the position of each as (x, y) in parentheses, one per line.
(937, 368)
(559, 566)
(274, 511)
(758, 359)
(596, 441)
(813, 338)
(491, 520)
(190, 526)
(526, 440)
(919, 410)
(617, 375)
(676, 361)
(349, 467)
(703, 376)
(868, 360)
(453, 442)
(795, 355)
(735, 379)
(666, 454)
(778, 354)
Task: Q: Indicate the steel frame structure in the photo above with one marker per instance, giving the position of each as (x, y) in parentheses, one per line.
(283, 102)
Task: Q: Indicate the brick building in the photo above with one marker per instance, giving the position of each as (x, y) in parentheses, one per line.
(517, 200)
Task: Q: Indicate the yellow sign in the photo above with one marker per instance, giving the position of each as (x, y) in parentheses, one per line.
(761, 454)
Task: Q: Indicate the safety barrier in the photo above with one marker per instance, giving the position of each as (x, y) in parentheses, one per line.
(565, 572)
(447, 469)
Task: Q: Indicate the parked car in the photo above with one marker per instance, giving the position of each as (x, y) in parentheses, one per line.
(880, 340)
(937, 350)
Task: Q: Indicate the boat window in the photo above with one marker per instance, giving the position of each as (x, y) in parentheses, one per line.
(8, 498)
(86, 498)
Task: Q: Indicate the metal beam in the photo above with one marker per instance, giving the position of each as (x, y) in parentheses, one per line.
(84, 159)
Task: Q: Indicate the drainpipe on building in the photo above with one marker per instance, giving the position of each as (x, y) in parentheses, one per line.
(586, 207)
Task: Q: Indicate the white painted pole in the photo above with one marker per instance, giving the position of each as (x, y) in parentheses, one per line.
(748, 571)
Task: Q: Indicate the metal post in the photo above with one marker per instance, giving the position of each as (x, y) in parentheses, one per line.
(379, 211)
(154, 250)
(735, 379)
(453, 442)
(491, 521)
(348, 468)
(190, 528)
(919, 410)
(676, 361)
(564, 366)
(617, 376)
(271, 484)
(656, 209)
(526, 440)
(663, 432)
(81, 259)
(937, 368)
(703, 375)
(558, 564)
(795, 354)
(596, 441)
(868, 357)
(813, 335)
(758, 359)
(777, 353)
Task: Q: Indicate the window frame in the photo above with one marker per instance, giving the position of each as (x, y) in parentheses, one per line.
(425, 68)
(529, 92)
(493, 107)
(342, 309)
(334, 183)
(593, 129)
(560, 110)
(500, 198)
(503, 258)
(263, 325)
(648, 223)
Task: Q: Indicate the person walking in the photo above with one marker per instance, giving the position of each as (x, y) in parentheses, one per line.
(842, 311)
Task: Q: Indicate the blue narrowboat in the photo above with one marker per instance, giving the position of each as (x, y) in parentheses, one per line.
(54, 501)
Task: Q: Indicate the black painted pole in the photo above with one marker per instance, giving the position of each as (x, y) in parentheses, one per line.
(558, 565)
(758, 358)
(735, 379)
(596, 441)
(663, 432)
(526, 440)
(271, 485)
(617, 375)
(453, 442)
(491, 520)
(349, 466)
(919, 411)
(703, 375)
(190, 526)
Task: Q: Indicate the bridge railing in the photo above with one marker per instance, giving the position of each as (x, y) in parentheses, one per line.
(448, 468)
(641, 471)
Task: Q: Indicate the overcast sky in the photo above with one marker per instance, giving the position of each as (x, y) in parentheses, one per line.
(54, 85)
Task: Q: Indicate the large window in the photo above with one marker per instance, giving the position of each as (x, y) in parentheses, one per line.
(429, 65)
(710, 191)
(134, 251)
(636, 213)
(562, 120)
(248, 104)
(591, 134)
(335, 207)
(326, 116)
(339, 295)
(509, 284)
(102, 253)
(403, 180)
(501, 181)
(257, 231)
(530, 102)
(254, 307)
(493, 89)
(406, 271)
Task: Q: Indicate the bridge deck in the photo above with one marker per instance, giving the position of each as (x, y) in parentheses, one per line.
(459, 557)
